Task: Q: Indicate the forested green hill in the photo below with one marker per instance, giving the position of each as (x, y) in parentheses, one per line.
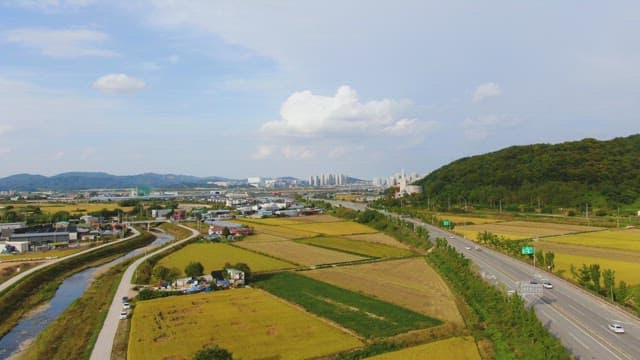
(602, 173)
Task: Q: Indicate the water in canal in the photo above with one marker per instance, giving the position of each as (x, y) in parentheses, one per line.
(70, 289)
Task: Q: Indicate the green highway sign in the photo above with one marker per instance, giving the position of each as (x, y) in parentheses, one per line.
(527, 250)
(446, 223)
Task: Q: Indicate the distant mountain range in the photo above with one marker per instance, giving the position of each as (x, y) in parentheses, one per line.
(100, 180)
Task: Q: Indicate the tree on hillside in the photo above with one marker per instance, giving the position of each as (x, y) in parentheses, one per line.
(194, 269)
(214, 353)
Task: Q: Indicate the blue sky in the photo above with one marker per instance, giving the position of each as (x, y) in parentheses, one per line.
(275, 88)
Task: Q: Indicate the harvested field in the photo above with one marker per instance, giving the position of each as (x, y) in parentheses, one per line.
(335, 228)
(316, 219)
(214, 256)
(458, 348)
(516, 230)
(365, 315)
(626, 271)
(628, 240)
(357, 247)
(299, 253)
(378, 238)
(410, 283)
(248, 322)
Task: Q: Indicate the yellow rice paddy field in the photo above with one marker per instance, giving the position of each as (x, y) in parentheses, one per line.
(214, 256)
(378, 238)
(280, 231)
(609, 239)
(84, 208)
(334, 228)
(259, 237)
(248, 322)
(316, 219)
(410, 283)
(626, 271)
(357, 247)
(299, 253)
(516, 230)
(469, 220)
(458, 348)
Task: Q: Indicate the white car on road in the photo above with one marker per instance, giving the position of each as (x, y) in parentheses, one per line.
(547, 284)
(124, 315)
(616, 328)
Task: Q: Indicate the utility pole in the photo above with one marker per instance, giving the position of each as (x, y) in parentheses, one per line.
(500, 206)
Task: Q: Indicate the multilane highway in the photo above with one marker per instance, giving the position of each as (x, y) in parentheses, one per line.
(578, 318)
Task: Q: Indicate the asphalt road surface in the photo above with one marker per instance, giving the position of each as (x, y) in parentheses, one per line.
(104, 344)
(578, 318)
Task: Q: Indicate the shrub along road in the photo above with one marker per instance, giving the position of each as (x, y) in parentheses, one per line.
(104, 344)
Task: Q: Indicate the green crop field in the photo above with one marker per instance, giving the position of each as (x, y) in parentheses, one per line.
(609, 239)
(357, 247)
(366, 316)
(214, 256)
(334, 228)
(250, 323)
(627, 271)
(457, 348)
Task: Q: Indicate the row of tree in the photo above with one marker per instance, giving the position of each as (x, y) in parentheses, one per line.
(603, 282)
(514, 330)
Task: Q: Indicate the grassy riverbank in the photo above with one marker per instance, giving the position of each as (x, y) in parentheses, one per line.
(41, 286)
(73, 334)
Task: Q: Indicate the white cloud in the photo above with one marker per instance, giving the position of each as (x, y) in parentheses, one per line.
(296, 152)
(118, 84)
(486, 90)
(263, 152)
(309, 115)
(483, 126)
(61, 43)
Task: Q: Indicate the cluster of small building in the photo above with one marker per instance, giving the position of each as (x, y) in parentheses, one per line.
(223, 279)
(18, 237)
